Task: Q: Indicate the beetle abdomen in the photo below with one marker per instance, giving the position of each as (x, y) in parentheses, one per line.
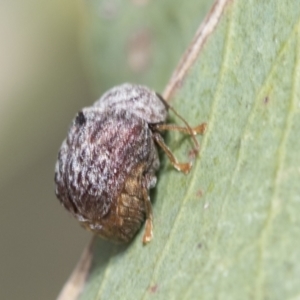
(127, 213)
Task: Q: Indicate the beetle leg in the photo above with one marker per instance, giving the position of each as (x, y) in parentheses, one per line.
(200, 129)
(182, 167)
(148, 234)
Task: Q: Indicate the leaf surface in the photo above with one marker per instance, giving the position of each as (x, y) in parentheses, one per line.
(230, 229)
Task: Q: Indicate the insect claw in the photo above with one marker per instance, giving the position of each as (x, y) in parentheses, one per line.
(183, 167)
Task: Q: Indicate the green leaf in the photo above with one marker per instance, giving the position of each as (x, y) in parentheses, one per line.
(230, 229)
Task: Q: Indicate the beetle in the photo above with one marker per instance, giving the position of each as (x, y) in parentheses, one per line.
(107, 164)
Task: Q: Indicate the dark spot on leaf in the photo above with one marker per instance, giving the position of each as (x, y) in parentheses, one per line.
(140, 50)
(199, 193)
(266, 100)
(192, 154)
(153, 289)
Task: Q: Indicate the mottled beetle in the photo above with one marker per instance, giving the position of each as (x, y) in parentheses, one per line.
(107, 163)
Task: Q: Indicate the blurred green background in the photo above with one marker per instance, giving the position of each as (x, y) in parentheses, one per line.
(56, 57)
(42, 84)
